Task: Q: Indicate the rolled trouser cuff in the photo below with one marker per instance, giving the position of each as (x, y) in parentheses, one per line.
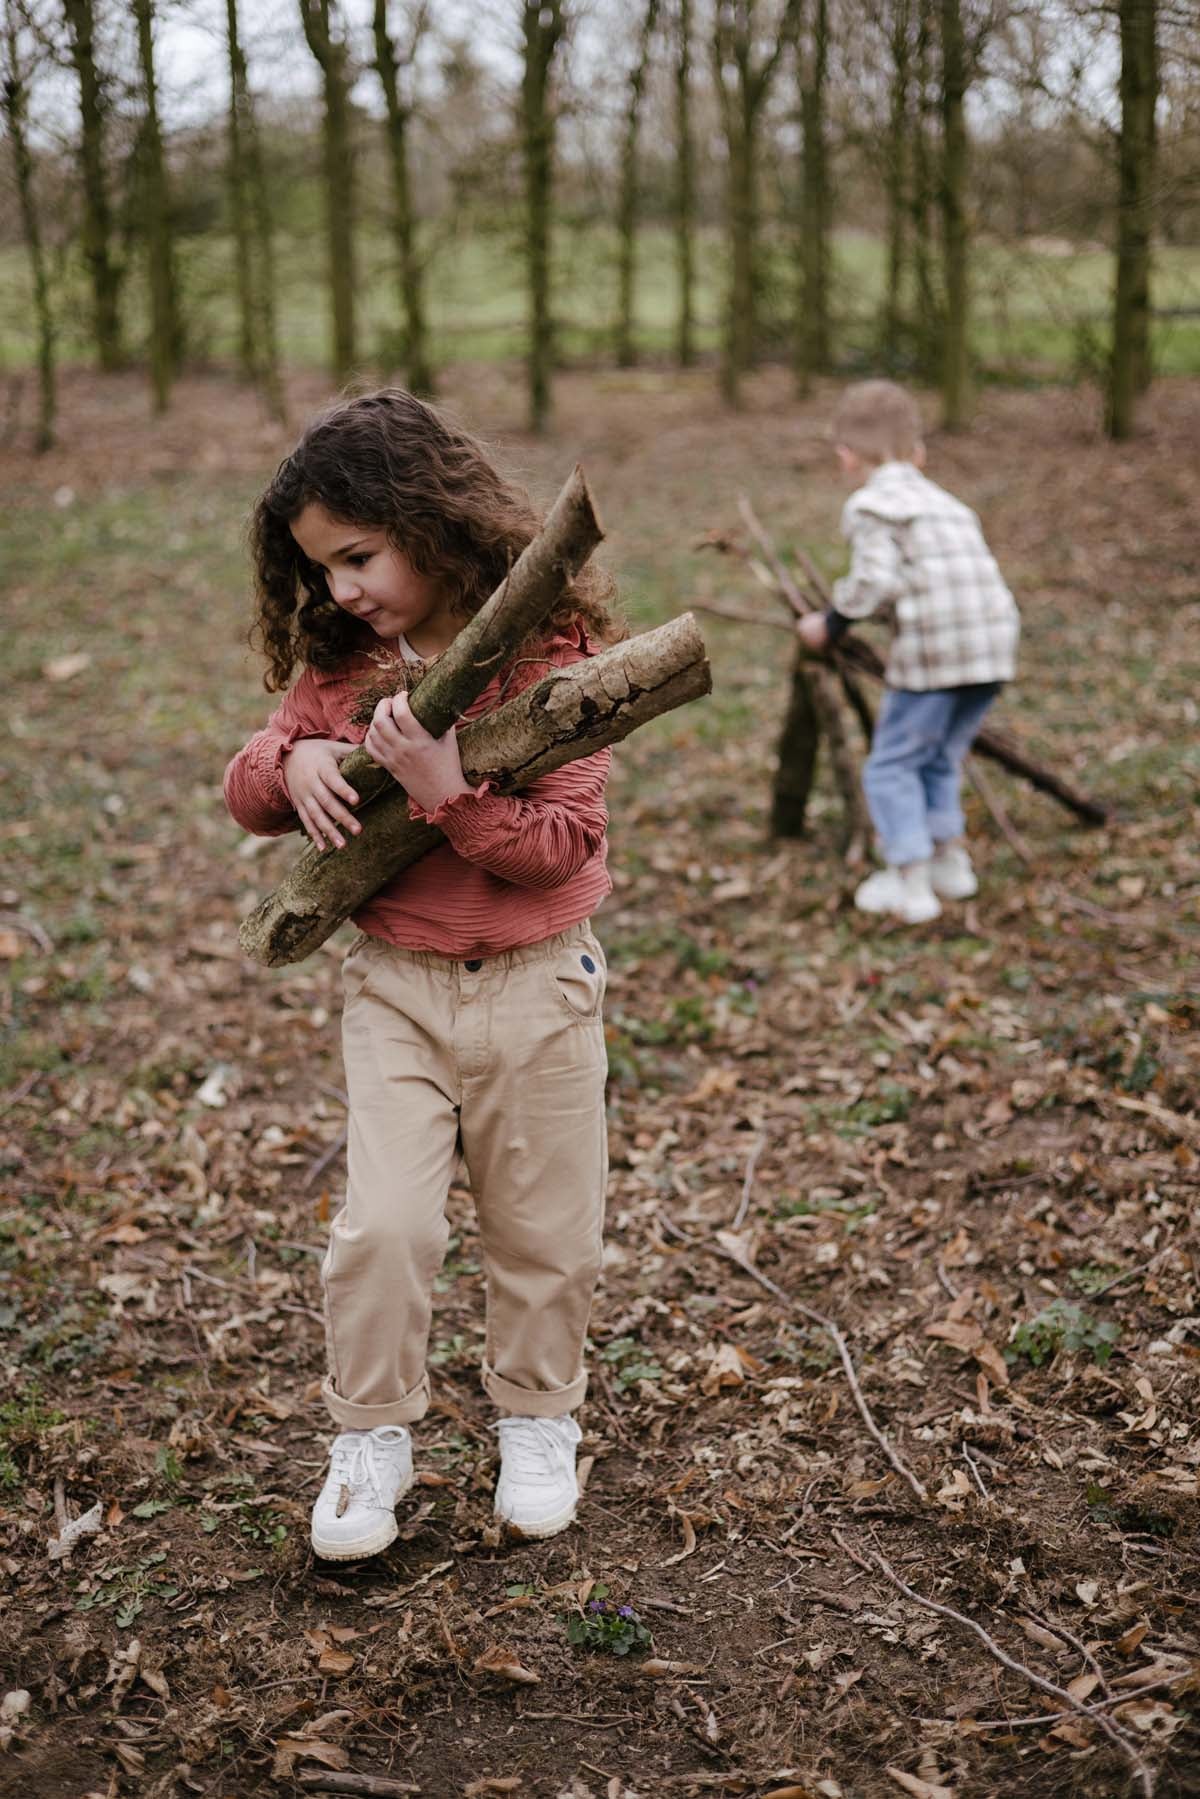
(527, 1402)
(406, 1410)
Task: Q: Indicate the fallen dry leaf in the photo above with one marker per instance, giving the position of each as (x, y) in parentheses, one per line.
(493, 1783)
(920, 1789)
(289, 1750)
(65, 668)
(505, 1664)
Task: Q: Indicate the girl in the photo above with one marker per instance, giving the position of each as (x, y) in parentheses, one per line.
(472, 998)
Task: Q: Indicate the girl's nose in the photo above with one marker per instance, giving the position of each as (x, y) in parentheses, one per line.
(345, 586)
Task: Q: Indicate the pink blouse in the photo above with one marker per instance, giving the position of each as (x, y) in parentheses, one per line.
(514, 869)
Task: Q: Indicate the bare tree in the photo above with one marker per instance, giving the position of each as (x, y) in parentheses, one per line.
(955, 323)
(685, 189)
(630, 189)
(743, 67)
(253, 230)
(104, 269)
(811, 336)
(543, 26)
(324, 28)
(390, 62)
(165, 330)
(14, 95)
(1129, 369)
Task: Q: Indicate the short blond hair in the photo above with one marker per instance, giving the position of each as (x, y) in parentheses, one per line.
(879, 421)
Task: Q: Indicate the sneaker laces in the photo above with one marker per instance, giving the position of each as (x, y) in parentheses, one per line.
(531, 1447)
(352, 1459)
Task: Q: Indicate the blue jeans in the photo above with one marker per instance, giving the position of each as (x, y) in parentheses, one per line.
(913, 774)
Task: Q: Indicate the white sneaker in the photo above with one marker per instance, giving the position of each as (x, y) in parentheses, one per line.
(355, 1514)
(951, 873)
(905, 892)
(537, 1492)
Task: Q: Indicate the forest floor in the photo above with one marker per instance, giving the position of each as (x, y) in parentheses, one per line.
(974, 1146)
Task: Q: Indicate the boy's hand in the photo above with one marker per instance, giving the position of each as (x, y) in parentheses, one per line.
(812, 631)
(312, 776)
(428, 768)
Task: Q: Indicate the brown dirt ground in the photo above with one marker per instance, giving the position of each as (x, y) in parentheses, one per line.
(937, 1134)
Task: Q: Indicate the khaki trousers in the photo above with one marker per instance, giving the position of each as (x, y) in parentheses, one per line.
(505, 1056)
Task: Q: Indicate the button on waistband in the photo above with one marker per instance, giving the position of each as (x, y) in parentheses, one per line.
(474, 965)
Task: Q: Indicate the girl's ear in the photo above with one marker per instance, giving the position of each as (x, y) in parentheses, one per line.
(848, 462)
(918, 455)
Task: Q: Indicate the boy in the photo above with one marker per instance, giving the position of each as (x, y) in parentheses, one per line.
(915, 547)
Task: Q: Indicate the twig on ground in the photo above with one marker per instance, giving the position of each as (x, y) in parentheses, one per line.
(1060, 1630)
(973, 1465)
(877, 1564)
(375, 1786)
(1000, 818)
(322, 1162)
(759, 1144)
(826, 1324)
(1101, 1705)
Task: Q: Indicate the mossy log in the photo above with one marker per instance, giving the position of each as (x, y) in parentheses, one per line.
(571, 713)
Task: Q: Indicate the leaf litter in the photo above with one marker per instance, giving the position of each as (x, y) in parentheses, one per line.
(930, 1142)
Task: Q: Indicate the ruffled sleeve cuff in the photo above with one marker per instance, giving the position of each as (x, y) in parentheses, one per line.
(458, 809)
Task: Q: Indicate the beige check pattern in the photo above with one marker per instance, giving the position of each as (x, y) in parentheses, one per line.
(919, 551)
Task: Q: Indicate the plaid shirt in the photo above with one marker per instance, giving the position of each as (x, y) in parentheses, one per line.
(918, 549)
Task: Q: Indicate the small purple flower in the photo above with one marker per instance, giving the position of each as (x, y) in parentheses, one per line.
(595, 1605)
(625, 1611)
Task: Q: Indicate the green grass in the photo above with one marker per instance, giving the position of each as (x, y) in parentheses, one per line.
(1035, 312)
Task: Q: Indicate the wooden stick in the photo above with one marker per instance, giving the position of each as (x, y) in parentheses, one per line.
(826, 1324)
(571, 713)
(1128, 1749)
(1002, 821)
(373, 1786)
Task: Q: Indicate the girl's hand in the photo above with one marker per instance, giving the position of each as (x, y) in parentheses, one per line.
(428, 768)
(312, 776)
(813, 631)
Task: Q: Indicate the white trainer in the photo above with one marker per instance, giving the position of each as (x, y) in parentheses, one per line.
(537, 1492)
(905, 892)
(355, 1513)
(951, 874)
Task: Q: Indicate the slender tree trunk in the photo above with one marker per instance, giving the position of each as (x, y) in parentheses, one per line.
(156, 213)
(895, 179)
(399, 116)
(239, 196)
(320, 21)
(928, 332)
(543, 29)
(811, 337)
(742, 87)
(104, 272)
(1129, 371)
(955, 373)
(685, 192)
(627, 210)
(15, 96)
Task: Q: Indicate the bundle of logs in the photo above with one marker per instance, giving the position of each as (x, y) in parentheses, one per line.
(571, 713)
(828, 694)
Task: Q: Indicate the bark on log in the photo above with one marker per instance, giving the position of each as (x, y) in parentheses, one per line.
(571, 713)
(519, 605)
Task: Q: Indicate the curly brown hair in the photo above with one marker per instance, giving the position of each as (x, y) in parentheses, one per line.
(389, 461)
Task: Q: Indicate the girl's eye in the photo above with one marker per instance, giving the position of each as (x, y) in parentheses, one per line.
(359, 560)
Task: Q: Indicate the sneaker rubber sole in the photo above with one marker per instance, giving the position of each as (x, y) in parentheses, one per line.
(545, 1527)
(373, 1543)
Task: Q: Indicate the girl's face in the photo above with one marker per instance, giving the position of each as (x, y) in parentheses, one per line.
(370, 578)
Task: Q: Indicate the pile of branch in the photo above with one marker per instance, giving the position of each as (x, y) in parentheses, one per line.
(573, 712)
(851, 659)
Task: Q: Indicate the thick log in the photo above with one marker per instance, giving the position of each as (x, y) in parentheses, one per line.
(571, 713)
(519, 605)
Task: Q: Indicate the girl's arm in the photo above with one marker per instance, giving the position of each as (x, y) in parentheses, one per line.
(540, 838)
(255, 790)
